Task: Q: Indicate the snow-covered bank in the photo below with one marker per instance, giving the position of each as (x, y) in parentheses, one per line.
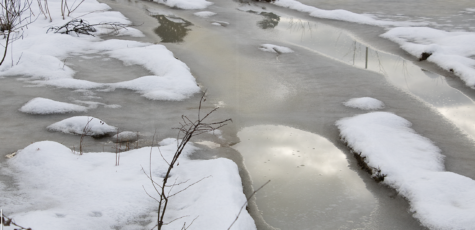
(41, 57)
(452, 51)
(57, 189)
(342, 15)
(186, 4)
(413, 166)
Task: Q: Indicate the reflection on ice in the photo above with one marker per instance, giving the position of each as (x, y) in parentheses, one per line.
(337, 44)
(171, 29)
(311, 185)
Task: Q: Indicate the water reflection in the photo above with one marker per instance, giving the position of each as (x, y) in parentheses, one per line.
(171, 29)
(312, 186)
(339, 45)
(270, 20)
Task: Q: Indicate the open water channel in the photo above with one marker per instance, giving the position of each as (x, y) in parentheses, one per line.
(284, 107)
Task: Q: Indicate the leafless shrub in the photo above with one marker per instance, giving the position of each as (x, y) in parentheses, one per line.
(188, 129)
(79, 26)
(45, 9)
(86, 131)
(7, 221)
(66, 10)
(14, 16)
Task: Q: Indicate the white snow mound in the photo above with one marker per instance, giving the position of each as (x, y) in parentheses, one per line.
(204, 14)
(275, 49)
(365, 103)
(76, 125)
(414, 167)
(56, 189)
(41, 105)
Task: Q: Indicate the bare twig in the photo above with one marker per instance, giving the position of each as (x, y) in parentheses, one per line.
(247, 201)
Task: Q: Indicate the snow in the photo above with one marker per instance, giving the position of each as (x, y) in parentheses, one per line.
(204, 14)
(40, 58)
(57, 189)
(450, 50)
(275, 49)
(414, 167)
(342, 15)
(126, 136)
(365, 103)
(43, 106)
(186, 4)
(77, 124)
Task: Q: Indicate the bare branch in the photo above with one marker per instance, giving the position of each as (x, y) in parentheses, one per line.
(247, 201)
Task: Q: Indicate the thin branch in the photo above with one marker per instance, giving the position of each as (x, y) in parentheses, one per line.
(247, 201)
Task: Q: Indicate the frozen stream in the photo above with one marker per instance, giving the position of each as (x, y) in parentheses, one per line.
(283, 106)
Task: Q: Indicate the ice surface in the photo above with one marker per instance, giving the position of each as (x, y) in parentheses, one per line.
(414, 167)
(452, 51)
(186, 4)
(43, 106)
(365, 103)
(78, 125)
(61, 190)
(275, 49)
(205, 14)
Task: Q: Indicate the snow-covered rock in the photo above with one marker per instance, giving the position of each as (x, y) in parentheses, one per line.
(126, 136)
(413, 166)
(78, 125)
(275, 49)
(41, 105)
(365, 103)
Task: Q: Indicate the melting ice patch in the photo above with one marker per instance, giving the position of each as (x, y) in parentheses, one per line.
(365, 103)
(275, 49)
(87, 125)
(452, 51)
(414, 167)
(43, 106)
(186, 4)
(57, 189)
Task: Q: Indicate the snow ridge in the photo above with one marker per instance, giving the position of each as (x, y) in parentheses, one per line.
(414, 167)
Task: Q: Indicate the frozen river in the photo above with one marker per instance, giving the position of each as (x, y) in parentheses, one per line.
(284, 106)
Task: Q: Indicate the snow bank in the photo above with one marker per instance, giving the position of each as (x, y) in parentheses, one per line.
(414, 167)
(75, 125)
(275, 49)
(41, 105)
(204, 14)
(186, 4)
(452, 51)
(342, 15)
(57, 189)
(365, 103)
(41, 58)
